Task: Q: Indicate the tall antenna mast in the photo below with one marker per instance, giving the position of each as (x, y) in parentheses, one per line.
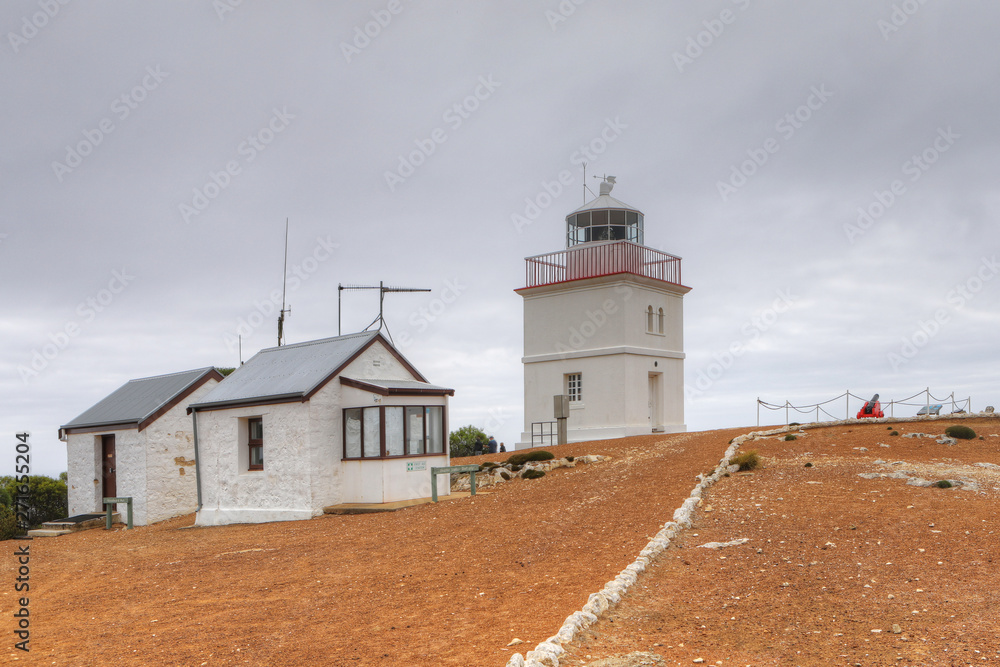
(284, 274)
(381, 300)
(584, 182)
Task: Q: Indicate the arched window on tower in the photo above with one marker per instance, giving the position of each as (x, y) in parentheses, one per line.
(649, 319)
(659, 321)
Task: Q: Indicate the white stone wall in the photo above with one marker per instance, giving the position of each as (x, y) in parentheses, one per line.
(84, 482)
(171, 482)
(233, 494)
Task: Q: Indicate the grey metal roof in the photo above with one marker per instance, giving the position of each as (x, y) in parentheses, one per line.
(289, 371)
(602, 202)
(404, 385)
(139, 399)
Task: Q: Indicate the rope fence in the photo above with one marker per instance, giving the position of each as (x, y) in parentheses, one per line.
(957, 405)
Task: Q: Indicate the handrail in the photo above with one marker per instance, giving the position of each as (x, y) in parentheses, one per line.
(593, 260)
(965, 403)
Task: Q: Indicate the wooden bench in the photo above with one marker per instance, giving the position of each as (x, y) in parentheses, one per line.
(471, 469)
(110, 504)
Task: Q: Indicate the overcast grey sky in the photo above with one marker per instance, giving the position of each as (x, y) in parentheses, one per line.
(152, 152)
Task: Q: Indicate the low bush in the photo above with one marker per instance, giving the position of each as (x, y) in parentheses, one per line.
(960, 432)
(533, 474)
(894, 433)
(569, 458)
(532, 455)
(790, 437)
(746, 461)
(944, 484)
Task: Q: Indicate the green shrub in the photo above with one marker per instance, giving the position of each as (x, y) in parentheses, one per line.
(531, 455)
(746, 461)
(8, 523)
(944, 484)
(894, 433)
(533, 474)
(809, 465)
(794, 424)
(960, 432)
(516, 468)
(888, 428)
(569, 458)
(790, 437)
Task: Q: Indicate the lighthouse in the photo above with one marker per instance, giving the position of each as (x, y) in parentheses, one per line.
(604, 325)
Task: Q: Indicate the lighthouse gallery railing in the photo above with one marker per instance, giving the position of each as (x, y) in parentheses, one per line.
(593, 260)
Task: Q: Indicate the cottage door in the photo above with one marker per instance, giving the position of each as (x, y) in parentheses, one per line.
(109, 486)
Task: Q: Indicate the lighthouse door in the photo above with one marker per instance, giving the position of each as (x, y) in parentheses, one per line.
(655, 415)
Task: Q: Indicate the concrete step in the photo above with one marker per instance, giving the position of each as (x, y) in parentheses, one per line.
(73, 524)
(42, 532)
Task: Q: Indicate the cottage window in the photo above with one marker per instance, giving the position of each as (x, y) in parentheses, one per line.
(255, 442)
(372, 443)
(574, 386)
(352, 433)
(414, 430)
(394, 437)
(391, 431)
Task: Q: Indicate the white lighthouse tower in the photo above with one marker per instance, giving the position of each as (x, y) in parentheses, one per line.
(603, 324)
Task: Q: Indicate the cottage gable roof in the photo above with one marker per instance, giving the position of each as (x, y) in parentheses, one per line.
(140, 402)
(293, 372)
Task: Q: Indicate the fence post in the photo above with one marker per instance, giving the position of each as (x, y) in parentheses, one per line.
(927, 400)
(758, 412)
(786, 412)
(847, 405)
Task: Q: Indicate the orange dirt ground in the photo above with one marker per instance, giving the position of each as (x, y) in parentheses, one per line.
(831, 557)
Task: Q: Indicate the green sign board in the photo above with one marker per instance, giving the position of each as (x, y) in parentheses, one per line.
(416, 466)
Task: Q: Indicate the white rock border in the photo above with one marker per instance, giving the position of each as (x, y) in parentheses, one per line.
(547, 653)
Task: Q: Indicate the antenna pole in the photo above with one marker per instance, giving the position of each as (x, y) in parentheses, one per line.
(584, 182)
(340, 290)
(284, 274)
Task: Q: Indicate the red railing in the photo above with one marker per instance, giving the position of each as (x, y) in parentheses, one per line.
(592, 260)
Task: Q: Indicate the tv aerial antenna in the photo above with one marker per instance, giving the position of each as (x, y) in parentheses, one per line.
(383, 290)
(284, 279)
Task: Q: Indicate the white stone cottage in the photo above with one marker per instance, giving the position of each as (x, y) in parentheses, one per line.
(305, 426)
(139, 442)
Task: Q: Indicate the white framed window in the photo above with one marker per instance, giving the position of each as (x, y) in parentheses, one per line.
(574, 387)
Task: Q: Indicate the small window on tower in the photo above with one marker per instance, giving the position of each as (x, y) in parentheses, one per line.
(659, 321)
(649, 319)
(574, 386)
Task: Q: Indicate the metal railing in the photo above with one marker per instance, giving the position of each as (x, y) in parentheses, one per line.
(929, 402)
(544, 430)
(593, 260)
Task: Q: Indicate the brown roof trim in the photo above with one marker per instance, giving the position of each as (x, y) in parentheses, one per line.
(101, 428)
(244, 403)
(395, 391)
(385, 343)
(212, 374)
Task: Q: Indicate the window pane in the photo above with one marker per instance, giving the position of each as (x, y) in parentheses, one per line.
(394, 431)
(435, 430)
(583, 219)
(414, 430)
(373, 433)
(632, 218)
(599, 218)
(257, 455)
(256, 429)
(618, 218)
(574, 386)
(618, 233)
(352, 432)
